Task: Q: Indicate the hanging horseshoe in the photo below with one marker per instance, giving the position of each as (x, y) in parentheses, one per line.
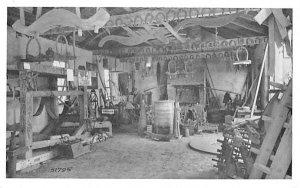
(119, 22)
(27, 47)
(65, 38)
(170, 15)
(232, 43)
(138, 20)
(160, 17)
(109, 24)
(180, 12)
(208, 56)
(194, 13)
(148, 18)
(224, 43)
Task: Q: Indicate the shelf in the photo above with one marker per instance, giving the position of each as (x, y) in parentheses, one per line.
(44, 68)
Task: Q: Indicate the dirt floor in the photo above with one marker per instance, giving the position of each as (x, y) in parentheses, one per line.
(128, 156)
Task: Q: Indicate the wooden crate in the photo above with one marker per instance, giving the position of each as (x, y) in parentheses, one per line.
(73, 149)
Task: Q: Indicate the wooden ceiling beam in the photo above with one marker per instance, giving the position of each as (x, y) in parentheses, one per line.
(250, 18)
(226, 35)
(159, 15)
(192, 45)
(38, 12)
(241, 30)
(252, 26)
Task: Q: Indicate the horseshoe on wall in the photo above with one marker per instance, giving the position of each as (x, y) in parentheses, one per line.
(27, 46)
(65, 38)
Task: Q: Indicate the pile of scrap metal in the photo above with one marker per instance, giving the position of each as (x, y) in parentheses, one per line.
(235, 159)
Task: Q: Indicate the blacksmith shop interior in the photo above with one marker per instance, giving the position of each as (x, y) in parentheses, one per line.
(149, 93)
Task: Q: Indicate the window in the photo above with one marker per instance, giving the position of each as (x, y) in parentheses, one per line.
(106, 83)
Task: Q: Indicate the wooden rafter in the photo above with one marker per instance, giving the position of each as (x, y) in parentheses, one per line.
(38, 12)
(226, 35)
(22, 16)
(174, 47)
(252, 26)
(250, 18)
(171, 29)
(241, 30)
(157, 16)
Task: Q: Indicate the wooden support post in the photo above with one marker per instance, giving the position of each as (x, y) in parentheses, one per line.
(53, 101)
(38, 12)
(26, 114)
(12, 158)
(77, 9)
(271, 23)
(283, 156)
(177, 120)
(204, 89)
(22, 16)
(259, 80)
(279, 117)
(85, 103)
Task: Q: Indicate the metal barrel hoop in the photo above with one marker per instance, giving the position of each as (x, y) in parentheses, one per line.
(207, 56)
(241, 41)
(159, 19)
(148, 16)
(249, 41)
(221, 55)
(141, 51)
(39, 45)
(208, 10)
(192, 10)
(232, 43)
(119, 21)
(137, 19)
(110, 23)
(148, 51)
(194, 46)
(128, 20)
(237, 52)
(257, 40)
(56, 43)
(168, 15)
(179, 12)
(153, 51)
(224, 43)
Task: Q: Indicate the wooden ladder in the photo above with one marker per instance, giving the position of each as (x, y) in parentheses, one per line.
(283, 156)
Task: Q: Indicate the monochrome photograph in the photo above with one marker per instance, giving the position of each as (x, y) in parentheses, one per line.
(149, 92)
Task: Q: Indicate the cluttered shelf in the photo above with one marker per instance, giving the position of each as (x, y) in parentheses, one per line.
(43, 68)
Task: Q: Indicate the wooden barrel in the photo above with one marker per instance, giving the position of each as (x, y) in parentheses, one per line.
(164, 116)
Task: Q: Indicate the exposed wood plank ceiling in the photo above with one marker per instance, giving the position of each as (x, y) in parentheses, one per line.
(244, 26)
